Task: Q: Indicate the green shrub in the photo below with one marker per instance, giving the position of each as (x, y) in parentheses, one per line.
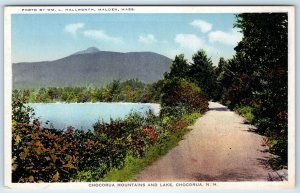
(179, 92)
(246, 112)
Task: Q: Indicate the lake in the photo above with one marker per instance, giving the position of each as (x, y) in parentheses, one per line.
(84, 115)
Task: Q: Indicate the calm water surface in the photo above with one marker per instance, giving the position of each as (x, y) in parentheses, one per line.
(84, 115)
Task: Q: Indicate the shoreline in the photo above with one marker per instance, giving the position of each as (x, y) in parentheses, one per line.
(93, 103)
(155, 107)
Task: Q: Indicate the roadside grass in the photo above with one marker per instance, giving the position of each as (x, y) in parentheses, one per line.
(246, 112)
(133, 166)
(277, 161)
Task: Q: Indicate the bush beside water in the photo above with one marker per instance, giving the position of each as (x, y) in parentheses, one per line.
(122, 146)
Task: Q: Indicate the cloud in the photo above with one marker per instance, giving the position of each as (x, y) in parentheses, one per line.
(101, 35)
(202, 25)
(73, 28)
(189, 41)
(189, 44)
(230, 38)
(147, 39)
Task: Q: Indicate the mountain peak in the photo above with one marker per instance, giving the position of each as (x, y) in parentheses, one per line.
(86, 69)
(90, 50)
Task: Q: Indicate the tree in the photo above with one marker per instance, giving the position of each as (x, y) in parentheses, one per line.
(237, 82)
(260, 74)
(265, 45)
(202, 73)
(179, 68)
(114, 90)
(223, 78)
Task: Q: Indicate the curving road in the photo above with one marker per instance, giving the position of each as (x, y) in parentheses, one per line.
(220, 147)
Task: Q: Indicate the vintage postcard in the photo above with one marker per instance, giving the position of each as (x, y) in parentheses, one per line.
(192, 97)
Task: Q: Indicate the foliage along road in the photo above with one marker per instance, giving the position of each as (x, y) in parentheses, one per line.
(220, 147)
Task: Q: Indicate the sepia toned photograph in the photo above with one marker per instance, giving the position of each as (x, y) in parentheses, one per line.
(149, 96)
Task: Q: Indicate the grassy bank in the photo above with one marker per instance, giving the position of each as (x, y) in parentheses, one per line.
(133, 166)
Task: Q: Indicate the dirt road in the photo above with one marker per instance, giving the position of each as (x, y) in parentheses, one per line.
(219, 148)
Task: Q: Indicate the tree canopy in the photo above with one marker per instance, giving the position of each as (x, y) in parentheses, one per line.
(257, 75)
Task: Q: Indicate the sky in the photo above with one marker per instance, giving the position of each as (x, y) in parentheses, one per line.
(45, 37)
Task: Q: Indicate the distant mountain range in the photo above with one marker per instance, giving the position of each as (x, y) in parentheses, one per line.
(91, 67)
